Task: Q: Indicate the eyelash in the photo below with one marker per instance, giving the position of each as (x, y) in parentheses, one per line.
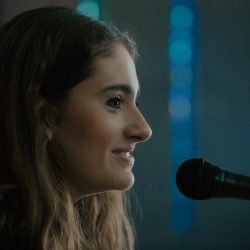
(120, 100)
(111, 102)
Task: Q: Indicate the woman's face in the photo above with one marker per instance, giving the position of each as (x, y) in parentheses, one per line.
(101, 126)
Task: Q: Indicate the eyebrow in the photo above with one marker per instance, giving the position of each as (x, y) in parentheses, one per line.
(121, 87)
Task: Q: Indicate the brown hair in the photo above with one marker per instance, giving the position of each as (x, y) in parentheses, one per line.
(43, 54)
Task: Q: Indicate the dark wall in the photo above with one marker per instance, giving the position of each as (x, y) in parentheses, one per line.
(223, 94)
(222, 98)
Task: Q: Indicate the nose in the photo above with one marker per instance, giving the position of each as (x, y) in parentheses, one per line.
(137, 128)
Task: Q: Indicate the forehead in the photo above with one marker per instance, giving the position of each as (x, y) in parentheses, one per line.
(120, 57)
(117, 68)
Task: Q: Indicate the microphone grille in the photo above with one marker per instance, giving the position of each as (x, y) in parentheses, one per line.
(196, 179)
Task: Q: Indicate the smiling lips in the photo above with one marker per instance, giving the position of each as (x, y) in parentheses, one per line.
(124, 155)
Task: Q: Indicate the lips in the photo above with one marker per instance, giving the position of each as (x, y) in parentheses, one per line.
(124, 155)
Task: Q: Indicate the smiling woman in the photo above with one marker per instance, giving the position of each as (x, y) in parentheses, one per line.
(69, 125)
(101, 125)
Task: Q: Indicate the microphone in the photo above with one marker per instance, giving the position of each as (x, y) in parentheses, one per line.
(200, 180)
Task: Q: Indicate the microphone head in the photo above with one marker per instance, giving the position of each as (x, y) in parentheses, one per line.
(196, 179)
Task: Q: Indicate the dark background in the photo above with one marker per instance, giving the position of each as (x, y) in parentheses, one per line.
(222, 99)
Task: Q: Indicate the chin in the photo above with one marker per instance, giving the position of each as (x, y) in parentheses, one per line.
(126, 184)
(119, 183)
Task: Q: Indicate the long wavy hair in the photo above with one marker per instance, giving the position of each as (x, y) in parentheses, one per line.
(43, 54)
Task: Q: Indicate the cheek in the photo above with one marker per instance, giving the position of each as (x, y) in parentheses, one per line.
(87, 141)
(90, 134)
(87, 144)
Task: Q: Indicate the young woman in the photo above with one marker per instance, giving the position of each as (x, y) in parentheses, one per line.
(69, 125)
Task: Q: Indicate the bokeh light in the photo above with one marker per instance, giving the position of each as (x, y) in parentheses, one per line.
(89, 8)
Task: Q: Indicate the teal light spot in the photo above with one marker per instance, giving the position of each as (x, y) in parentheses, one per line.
(89, 8)
(180, 52)
(181, 17)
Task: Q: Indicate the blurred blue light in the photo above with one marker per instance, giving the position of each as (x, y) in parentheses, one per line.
(89, 8)
(182, 217)
(180, 52)
(181, 76)
(179, 91)
(181, 150)
(179, 108)
(183, 35)
(182, 220)
(181, 17)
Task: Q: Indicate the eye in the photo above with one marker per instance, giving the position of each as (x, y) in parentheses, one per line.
(115, 102)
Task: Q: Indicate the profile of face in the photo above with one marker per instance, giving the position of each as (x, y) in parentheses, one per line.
(101, 126)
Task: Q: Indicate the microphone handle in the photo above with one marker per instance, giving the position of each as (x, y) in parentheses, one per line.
(230, 185)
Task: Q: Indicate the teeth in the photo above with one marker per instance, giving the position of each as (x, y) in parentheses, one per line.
(126, 154)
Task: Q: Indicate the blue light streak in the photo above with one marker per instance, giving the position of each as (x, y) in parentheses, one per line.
(181, 113)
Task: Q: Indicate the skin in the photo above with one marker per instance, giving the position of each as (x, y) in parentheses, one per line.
(100, 124)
